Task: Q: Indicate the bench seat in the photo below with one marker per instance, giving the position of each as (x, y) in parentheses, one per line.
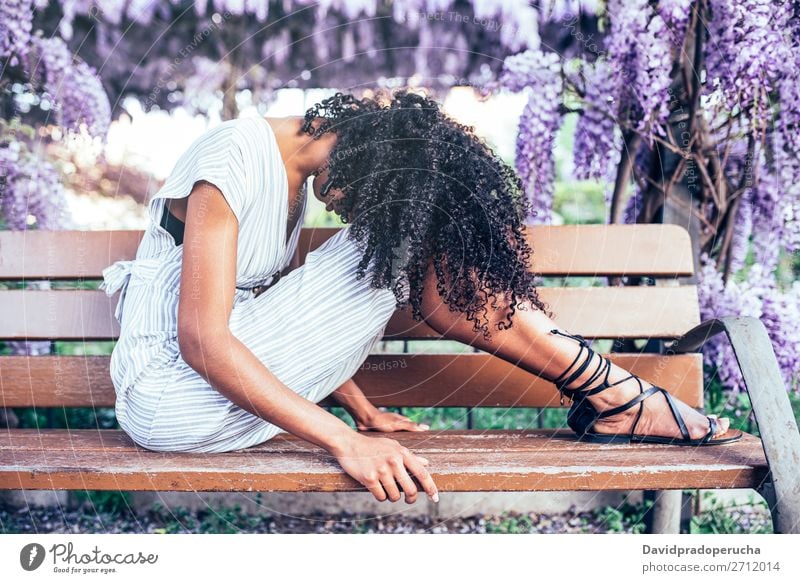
(652, 322)
(472, 461)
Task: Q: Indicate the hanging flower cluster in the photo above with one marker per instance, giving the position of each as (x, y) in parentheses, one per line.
(639, 50)
(16, 23)
(30, 190)
(675, 14)
(747, 117)
(746, 54)
(759, 297)
(538, 73)
(263, 45)
(41, 70)
(596, 149)
(74, 88)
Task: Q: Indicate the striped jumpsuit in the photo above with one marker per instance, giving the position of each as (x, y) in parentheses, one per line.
(313, 328)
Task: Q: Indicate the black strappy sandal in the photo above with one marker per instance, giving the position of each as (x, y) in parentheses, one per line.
(582, 414)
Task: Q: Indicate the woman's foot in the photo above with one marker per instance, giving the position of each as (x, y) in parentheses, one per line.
(656, 418)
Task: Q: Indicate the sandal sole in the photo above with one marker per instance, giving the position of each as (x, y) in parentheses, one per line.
(626, 439)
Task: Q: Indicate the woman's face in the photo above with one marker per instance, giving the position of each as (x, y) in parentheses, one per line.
(333, 195)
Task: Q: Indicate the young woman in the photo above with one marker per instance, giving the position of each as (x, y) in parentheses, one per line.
(218, 352)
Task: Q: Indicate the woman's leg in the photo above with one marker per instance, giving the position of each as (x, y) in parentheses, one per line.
(530, 345)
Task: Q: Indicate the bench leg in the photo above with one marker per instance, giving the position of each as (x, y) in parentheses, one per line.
(767, 492)
(665, 513)
(771, 408)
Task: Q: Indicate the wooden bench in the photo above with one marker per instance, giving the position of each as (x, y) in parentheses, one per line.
(472, 460)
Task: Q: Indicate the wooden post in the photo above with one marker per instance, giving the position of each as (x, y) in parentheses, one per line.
(666, 512)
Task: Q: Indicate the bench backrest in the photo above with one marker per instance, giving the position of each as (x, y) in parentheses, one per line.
(660, 253)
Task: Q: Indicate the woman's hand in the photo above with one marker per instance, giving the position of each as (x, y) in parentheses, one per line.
(383, 466)
(387, 422)
(368, 417)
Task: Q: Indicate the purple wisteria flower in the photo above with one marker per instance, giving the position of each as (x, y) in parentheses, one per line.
(758, 296)
(632, 207)
(597, 146)
(16, 23)
(746, 54)
(639, 47)
(30, 191)
(718, 300)
(781, 317)
(538, 125)
(768, 205)
(653, 74)
(786, 156)
(75, 88)
(676, 16)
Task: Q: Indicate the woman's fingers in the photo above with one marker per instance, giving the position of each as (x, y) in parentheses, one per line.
(375, 487)
(409, 425)
(421, 473)
(406, 423)
(387, 479)
(389, 422)
(405, 481)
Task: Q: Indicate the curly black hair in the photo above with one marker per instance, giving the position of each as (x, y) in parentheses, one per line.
(415, 180)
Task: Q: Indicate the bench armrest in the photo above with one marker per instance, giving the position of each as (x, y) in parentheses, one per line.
(771, 407)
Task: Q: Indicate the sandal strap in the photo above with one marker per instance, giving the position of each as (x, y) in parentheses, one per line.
(644, 395)
(637, 399)
(603, 369)
(561, 382)
(712, 430)
(677, 415)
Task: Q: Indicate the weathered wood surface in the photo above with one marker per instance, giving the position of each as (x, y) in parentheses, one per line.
(530, 460)
(654, 250)
(389, 380)
(594, 312)
(63, 254)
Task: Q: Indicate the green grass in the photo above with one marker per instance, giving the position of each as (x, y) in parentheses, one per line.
(722, 518)
(511, 523)
(627, 517)
(111, 502)
(717, 518)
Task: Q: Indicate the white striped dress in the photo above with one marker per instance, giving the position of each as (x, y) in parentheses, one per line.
(313, 328)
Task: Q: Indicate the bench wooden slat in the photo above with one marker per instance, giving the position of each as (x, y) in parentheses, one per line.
(540, 460)
(651, 250)
(63, 254)
(594, 312)
(587, 250)
(389, 380)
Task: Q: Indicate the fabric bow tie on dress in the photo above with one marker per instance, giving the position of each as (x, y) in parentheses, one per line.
(117, 276)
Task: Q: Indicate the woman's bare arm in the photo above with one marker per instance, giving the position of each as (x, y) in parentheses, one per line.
(206, 343)
(208, 280)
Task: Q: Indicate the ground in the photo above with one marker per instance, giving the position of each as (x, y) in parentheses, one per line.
(159, 519)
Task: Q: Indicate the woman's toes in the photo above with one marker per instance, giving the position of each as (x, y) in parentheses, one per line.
(723, 423)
